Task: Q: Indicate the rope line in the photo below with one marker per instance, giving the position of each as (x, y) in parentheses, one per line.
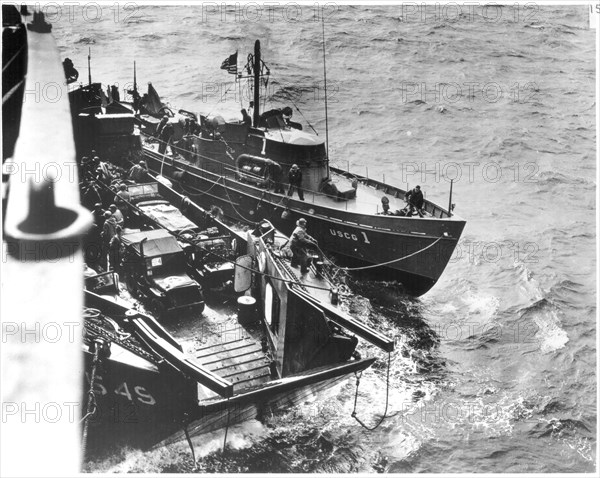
(191, 445)
(381, 264)
(387, 394)
(197, 194)
(226, 428)
(235, 209)
(349, 269)
(92, 406)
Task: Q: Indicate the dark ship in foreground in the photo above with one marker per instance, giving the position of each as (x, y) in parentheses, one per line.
(162, 382)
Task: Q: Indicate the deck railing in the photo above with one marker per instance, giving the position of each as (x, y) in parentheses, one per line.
(42, 290)
(223, 170)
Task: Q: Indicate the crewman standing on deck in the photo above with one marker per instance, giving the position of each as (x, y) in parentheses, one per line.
(295, 179)
(118, 215)
(114, 250)
(122, 199)
(165, 138)
(251, 110)
(415, 201)
(109, 229)
(159, 127)
(300, 241)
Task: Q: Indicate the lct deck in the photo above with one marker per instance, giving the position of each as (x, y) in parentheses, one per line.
(223, 346)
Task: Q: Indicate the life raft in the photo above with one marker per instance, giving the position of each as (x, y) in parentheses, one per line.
(253, 169)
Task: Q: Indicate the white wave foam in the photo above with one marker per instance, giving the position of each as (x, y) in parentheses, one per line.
(483, 305)
(550, 335)
(529, 286)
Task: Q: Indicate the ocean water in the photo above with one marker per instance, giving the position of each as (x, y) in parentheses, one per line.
(495, 367)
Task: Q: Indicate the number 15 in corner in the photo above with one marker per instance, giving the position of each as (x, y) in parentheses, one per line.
(594, 13)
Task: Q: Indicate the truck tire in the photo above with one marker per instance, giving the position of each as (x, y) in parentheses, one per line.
(158, 309)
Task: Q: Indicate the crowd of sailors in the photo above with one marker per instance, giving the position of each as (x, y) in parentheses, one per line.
(109, 223)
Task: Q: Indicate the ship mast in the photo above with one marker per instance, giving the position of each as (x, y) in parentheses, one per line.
(257, 70)
(325, 87)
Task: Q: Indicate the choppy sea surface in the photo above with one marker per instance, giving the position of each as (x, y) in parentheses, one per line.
(495, 367)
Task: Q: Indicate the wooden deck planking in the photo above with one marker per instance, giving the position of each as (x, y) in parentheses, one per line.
(241, 362)
(237, 362)
(222, 346)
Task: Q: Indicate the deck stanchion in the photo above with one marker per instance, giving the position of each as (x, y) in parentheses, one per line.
(450, 199)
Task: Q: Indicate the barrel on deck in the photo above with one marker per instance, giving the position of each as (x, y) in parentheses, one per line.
(246, 310)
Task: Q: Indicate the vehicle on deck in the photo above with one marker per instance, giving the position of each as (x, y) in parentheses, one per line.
(156, 271)
(178, 379)
(210, 246)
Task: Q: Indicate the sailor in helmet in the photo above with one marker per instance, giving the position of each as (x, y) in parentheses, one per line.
(300, 241)
(295, 179)
(122, 199)
(138, 172)
(385, 204)
(117, 214)
(159, 127)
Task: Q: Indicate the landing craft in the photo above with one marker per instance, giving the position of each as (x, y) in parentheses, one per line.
(173, 379)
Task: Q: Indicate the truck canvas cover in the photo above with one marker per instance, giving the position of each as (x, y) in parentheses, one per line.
(159, 242)
(168, 216)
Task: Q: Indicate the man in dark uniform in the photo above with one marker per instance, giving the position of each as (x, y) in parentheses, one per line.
(160, 126)
(300, 240)
(165, 139)
(246, 118)
(108, 232)
(295, 179)
(116, 96)
(93, 240)
(114, 250)
(415, 201)
(287, 113)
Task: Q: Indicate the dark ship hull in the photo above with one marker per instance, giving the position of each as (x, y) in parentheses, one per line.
(142, 400)
(197, 373)
(231, 165)
(411, 250)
